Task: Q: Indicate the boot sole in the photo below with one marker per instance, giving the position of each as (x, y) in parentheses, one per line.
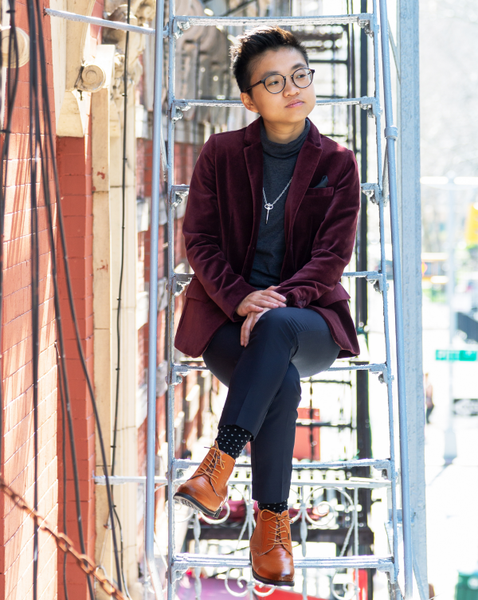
(269, 581)
(188, 500)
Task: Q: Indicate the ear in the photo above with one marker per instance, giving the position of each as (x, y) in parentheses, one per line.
(248, 102)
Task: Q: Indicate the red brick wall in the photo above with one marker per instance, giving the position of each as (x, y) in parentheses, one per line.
(16, 529)
(74, 168)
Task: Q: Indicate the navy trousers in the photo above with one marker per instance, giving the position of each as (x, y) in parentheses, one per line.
(264, 387)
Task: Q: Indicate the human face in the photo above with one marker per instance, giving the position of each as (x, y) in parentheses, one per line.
(283, 114)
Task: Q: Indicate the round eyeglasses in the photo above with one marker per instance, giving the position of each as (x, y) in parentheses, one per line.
(274, 84)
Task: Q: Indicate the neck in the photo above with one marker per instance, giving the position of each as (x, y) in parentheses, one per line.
(283, 134)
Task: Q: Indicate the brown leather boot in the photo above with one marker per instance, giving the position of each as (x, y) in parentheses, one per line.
(271, 549)
(206, 490)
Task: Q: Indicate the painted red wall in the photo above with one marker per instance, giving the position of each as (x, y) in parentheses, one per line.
(16, 528)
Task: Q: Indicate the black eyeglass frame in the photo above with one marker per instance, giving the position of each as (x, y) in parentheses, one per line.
(284, 77)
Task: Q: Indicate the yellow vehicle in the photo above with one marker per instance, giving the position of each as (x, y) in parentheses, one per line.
(434, 268)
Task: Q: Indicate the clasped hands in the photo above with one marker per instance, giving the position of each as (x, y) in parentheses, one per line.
(254, 306)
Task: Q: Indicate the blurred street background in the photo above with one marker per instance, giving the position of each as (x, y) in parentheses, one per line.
(448, 79)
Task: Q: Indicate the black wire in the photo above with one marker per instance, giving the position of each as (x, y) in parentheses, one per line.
(34, 99)
(63, 451)
(35, 275)
(120, 291)
(50, 150)
(123, 227)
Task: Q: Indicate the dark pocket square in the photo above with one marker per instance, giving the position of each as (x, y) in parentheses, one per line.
(323, 183)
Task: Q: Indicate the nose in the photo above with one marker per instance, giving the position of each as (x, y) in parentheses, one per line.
(290, 88)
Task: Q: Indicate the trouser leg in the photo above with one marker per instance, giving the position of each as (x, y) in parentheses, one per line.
(272, 448)
(264, 386)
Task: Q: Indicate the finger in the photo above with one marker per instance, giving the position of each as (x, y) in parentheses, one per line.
(244, 328)
(245, 332)
(256, 317)
(259, 305)
(253, 322)
(271, 294)
(253, 308)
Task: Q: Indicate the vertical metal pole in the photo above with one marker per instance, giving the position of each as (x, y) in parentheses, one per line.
(171, 303)
(361, 314)
(410, 218)
(450, 452)
(153, 308)
(391, 134)
(386, 320)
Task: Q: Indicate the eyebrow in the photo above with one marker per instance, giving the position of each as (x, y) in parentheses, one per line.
(296, 66)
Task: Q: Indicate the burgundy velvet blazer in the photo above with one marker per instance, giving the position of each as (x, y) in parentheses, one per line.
(221, 226)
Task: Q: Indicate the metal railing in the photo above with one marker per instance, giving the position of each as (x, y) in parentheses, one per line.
(380, 191)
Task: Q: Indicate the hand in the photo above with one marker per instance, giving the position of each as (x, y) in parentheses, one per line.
(248, 325)
(257, 301)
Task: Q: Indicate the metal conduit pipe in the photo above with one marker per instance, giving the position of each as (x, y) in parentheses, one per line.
(153, 311)
(391, 133)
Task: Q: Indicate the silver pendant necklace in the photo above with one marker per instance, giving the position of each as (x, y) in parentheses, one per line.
(270, 205)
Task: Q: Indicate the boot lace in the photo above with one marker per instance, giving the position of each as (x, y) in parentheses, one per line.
(211, 464)
(280, 534)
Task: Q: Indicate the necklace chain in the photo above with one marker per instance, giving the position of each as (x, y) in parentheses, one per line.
(270, 205)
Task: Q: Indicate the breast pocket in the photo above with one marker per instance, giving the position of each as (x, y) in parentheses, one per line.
(315, 203)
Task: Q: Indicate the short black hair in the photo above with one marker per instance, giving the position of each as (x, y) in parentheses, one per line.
(255, 42)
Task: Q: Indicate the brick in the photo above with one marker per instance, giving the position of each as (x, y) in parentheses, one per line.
(16, 251)
(18, 382)
(76, 205)
(73, 185)
(15, 198)
(16, 304)
(79, 247)
(78, 226)
(16, 330)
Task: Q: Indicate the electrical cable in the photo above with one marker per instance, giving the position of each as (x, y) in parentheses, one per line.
(45, 152)
(63, 452)
(120, 292)
(34, 268)
(50, 150)
(38, 147)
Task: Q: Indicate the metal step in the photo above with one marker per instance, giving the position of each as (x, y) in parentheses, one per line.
(185, 561)
(181, 280)
(181, 370)
(184, 104)
(180, 192)
(184, 22)
(376, 463)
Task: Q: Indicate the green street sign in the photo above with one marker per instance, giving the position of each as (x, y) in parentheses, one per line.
(457, 355)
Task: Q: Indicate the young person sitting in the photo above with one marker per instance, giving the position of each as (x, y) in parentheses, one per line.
(269, 229)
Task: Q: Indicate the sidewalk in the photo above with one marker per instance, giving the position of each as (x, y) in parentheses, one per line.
(452, 515)
(452, 491)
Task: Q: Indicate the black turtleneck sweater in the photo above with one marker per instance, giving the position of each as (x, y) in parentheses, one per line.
(279, 165)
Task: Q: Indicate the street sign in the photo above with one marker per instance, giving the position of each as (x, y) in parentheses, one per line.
(457, 355)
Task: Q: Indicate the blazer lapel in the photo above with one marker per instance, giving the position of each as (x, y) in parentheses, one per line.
(255, 167)
(254, 163)
(305, 168)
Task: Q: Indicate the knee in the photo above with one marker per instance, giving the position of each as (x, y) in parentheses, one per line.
(274, 320)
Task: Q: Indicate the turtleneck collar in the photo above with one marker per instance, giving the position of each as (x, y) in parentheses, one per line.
(283, 150)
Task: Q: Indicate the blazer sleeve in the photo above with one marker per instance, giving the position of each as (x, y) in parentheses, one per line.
(202, 235)
(333, 244)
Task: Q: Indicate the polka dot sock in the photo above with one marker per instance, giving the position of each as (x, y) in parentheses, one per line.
(232, 439)
(278, 507)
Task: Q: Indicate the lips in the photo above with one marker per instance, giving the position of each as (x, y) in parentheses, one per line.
(294, 103)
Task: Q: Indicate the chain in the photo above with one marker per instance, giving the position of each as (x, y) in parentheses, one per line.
(64, 543)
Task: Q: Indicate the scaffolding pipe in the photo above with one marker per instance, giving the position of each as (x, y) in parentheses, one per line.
(391, 134)
(153, 311)
(69, 16)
